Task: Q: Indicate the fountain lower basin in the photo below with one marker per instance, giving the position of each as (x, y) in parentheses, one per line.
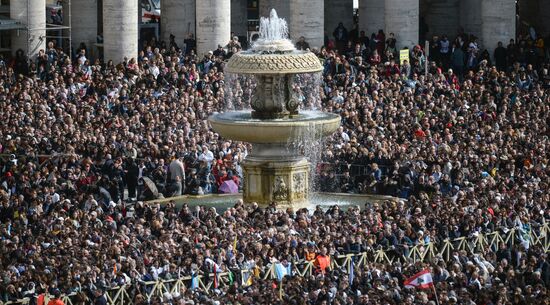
(275, 171)
(240, 126)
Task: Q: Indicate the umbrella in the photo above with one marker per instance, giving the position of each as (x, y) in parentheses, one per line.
(151, 186)
(229, 187)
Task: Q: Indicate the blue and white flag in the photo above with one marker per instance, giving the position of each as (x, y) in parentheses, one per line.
(281, 270)
(351, 270)
(194, 281)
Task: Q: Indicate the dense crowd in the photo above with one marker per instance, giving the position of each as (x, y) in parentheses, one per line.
(85, 142)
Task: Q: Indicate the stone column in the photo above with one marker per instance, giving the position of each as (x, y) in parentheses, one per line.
(443, 17)
(307, 20)
(239, 17)
(470, 17)
(337, 11)
(402, 18)
(498, 23)
(371, 16)
(31, 14)
(281, 6)
(213, 24)
(84, 22)
(178, 19)
(544, 17)
(120, 30)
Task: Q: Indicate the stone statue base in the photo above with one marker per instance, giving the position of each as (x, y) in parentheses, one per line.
(283, 182)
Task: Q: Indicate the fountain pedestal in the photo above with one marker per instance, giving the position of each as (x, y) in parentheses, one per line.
(273, 181)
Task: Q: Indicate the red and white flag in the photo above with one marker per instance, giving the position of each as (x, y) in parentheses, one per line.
(422, 280)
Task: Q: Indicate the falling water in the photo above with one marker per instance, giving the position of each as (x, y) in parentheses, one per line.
(238, 90)
(309, 143)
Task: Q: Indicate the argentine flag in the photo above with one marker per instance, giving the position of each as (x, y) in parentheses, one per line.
(281, 270)
(194, 281)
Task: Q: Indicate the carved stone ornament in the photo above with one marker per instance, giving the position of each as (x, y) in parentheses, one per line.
(290, 63)
(280, 190)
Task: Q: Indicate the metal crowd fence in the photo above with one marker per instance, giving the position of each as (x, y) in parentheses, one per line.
(475, 244)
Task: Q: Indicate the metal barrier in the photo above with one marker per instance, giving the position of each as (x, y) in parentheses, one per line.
(478, 243)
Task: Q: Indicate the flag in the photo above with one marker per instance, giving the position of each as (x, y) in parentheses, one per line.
(194, 281)
(235, 244)
(215, 276)
(281, 271)
(323, 262)
(247, 278)
(40, 300)
(230, 278)
(422, 280)
(351, 270)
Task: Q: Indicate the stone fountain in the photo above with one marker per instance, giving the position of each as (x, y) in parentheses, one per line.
(276, 171)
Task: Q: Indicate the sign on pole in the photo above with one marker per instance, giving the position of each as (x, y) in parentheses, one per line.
(427, 55)
(403, 55)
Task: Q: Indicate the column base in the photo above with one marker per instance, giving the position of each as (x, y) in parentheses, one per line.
(275, 181)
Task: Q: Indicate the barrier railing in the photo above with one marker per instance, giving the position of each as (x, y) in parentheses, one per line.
(478, 243)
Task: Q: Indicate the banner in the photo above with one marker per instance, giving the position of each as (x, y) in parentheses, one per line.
(404, 55)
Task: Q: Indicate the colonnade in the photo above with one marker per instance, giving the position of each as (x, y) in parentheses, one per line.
(213, 21)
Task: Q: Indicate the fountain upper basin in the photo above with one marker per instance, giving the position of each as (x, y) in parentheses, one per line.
(295, 62)
(240, 126)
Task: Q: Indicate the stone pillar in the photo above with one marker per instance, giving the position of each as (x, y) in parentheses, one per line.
(31, 14)
(470, 17)
(307, 20)
(498, 23)
(544, 17)
(239, 17)
(337, 11)
(120, 30)
(84, 22)
(213, 24)
(402, 18)
(371, 16)
(442, 17)
(282, 8)
(178, 19)
(528, 12)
